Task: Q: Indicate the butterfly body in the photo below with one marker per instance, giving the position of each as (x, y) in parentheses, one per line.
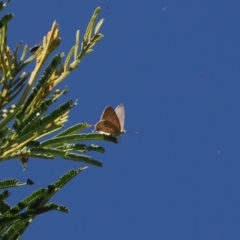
(112, 121)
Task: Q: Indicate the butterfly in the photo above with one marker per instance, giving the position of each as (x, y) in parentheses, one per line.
(112, 121)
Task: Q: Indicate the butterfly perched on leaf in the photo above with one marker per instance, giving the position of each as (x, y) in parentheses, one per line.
(112, 121)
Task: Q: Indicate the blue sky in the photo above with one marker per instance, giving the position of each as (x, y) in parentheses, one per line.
(175, 67)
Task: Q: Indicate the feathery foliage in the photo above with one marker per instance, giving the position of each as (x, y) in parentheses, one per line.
(29, 119)
(15, 220)
(26, 121)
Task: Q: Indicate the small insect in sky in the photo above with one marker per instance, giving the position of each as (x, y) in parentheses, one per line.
(164, 8)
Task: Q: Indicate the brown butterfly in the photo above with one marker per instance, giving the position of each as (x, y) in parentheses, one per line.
(112, 121)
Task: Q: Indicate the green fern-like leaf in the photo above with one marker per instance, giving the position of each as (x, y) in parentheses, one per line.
(8, 183)
(74, 129)
(41, 123)
(89, 30)
(78, 137)
(33, 116)
(3, 195)
(82, 158)
(47, 208)
(6, 19)
(15, 230)
(41, 83)
(68, 177)
(26, 202)
(4, 207)
(82, 147)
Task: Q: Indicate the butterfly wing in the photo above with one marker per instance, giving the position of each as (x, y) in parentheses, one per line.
(110, 115)
(107, 127)
(107, 113)
(120, 111)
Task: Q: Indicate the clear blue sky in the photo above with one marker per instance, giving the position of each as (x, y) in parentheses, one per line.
(175, 66)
